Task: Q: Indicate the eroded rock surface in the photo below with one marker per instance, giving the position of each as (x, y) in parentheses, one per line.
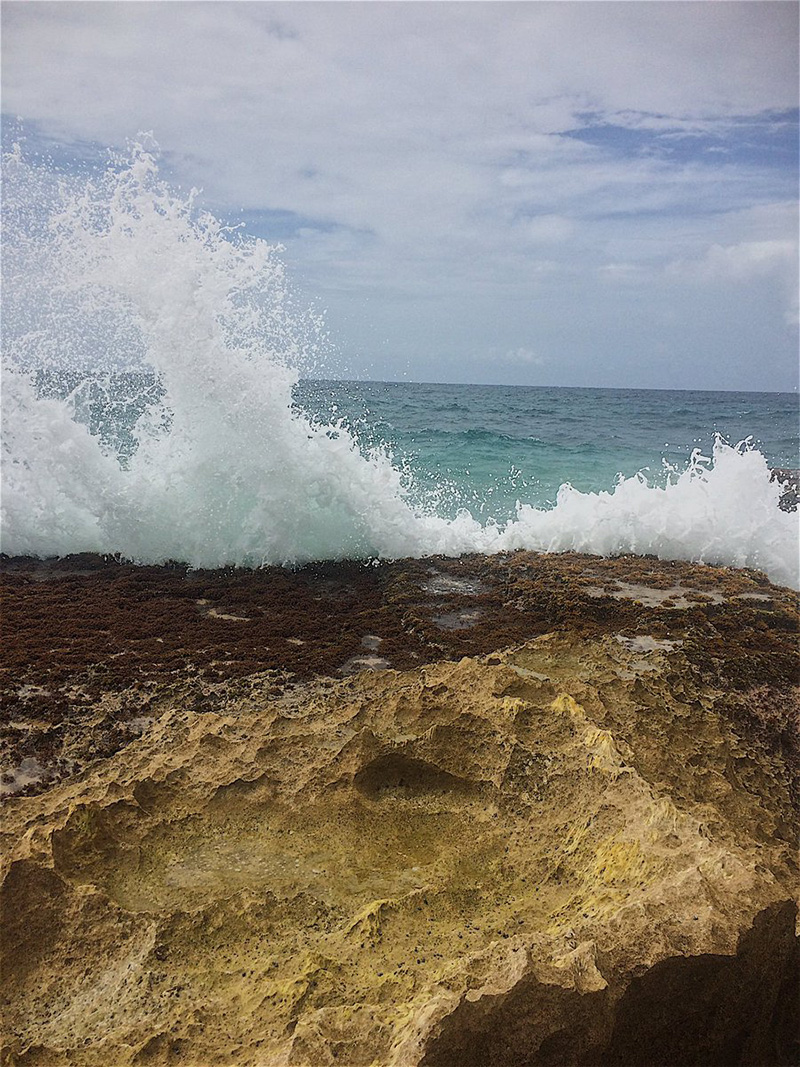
(580, 850)
(93, 645)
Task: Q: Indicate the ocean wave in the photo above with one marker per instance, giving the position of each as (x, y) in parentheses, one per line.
(224, 468)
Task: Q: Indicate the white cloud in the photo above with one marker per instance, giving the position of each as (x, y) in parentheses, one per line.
(525, 357)
(428, 137)
(545, 229)
(746, 260)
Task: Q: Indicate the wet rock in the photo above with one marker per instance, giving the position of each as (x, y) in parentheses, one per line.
(790, 480)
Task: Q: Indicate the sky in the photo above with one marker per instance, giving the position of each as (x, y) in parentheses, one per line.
(540, 193)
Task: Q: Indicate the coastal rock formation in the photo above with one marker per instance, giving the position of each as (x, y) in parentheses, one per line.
(96, 645)
(580, 850)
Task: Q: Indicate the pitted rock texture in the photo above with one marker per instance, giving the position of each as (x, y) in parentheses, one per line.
(93, 646)
(566, 853)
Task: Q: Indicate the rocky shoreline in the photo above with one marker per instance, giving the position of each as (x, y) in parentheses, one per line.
(493, 811)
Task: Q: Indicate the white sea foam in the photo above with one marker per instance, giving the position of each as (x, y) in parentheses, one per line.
(226, 471)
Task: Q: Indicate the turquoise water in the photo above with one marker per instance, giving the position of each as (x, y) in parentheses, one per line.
(486, 447)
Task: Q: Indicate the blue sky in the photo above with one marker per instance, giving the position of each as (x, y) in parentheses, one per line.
(568, 193)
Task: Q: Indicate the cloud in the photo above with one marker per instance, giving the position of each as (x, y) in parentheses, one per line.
(545, 229)
(442, 154)
(525, 357)
(746, 260)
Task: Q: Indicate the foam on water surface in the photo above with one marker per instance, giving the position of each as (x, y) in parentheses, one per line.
(118, 270)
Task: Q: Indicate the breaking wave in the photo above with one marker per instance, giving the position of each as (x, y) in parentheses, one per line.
(116, 270)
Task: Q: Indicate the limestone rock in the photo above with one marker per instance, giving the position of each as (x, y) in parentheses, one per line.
(564, 853)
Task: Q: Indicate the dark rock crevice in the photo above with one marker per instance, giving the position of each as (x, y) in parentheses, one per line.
(710, 1010)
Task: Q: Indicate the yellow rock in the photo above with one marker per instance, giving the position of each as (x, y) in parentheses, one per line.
(469, 863)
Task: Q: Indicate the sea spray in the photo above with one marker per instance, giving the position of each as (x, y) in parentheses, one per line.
(226, 471)
(721, 510)
(117, 270)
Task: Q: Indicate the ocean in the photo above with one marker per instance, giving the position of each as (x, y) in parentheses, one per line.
(488, 448)
(222, 447)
